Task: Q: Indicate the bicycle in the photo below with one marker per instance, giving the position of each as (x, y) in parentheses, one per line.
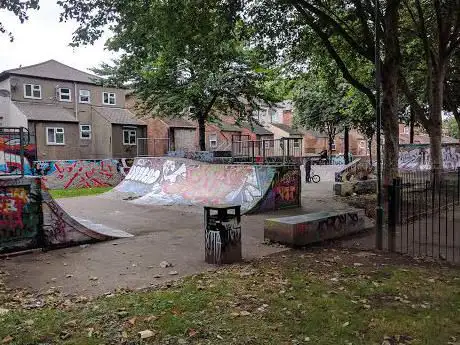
(314, 178)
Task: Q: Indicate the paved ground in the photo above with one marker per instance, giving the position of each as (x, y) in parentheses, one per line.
(161, 233)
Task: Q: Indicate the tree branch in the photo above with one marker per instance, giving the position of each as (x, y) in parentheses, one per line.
(333, 53)
(340, 30)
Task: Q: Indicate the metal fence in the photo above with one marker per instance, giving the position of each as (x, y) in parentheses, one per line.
(270, 151)
(424, 215)
(16, 151)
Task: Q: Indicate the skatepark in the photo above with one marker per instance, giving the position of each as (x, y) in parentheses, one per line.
(156, 214)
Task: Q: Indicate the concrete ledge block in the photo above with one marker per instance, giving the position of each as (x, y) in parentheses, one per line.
(314, 227)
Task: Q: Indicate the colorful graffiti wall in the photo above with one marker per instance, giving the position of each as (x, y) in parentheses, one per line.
(418, 156)
(82, 173)
(19, 213)
(10, 155)
(167, 181)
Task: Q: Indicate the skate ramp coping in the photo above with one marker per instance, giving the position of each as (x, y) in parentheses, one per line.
(315, 227)
(103, 229)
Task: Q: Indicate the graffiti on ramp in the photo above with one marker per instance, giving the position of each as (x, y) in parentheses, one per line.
(169, 181)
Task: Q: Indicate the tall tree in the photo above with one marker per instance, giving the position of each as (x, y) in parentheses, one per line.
(319, 105)
(345, 30)
(182, 58)
(19, 8)
(431, 37)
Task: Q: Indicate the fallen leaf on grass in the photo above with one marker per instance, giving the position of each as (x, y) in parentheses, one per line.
(7, 339)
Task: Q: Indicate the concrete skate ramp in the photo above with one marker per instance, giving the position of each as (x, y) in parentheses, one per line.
(30, 218)
(173, 181)
(61, 229)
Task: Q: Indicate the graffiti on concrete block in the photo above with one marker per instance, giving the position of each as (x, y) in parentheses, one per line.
(82, 173)
(337, 223)
(18, 214)
(418, 157)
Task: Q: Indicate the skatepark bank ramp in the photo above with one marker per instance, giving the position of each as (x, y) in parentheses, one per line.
(176, 181)
(30, 218)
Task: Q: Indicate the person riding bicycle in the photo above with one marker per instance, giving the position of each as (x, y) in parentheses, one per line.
(307, 166)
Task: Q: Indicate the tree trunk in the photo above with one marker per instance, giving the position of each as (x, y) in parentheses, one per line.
(435, 130)
(390, 73)
(202, 131)
(331, 141)
(411, 130)
(369, 144)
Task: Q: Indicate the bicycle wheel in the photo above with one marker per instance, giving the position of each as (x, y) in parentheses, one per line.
(315, 178)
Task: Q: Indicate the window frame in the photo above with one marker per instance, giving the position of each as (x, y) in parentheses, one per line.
(108, 98)
(60, 94)
(89, 131)
(130, 132)
(55, 143)
(362, 144)
(80, 95)
(296, 143)
(213, 135)
(32, 86)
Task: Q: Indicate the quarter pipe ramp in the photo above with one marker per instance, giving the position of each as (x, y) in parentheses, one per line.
(175, 181)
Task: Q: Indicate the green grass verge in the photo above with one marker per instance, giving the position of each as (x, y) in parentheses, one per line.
(325, 298)
(69, 193)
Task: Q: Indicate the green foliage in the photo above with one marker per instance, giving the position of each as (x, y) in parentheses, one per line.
(70, 193)
(178, 54)
(451, 127)
(19, 8)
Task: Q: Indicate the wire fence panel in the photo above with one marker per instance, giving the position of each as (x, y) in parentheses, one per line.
(269, 151)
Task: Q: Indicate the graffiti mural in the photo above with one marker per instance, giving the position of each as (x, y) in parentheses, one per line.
(202, 156)
(418, 157)
(19, 214)
(82, 173)
(284, 190)
(174, 181)
(10, 154)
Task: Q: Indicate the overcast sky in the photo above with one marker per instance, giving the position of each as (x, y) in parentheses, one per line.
(42, 38)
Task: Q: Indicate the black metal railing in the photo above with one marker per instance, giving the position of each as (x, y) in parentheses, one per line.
(17, 151)
(424, 214)
(270, 151)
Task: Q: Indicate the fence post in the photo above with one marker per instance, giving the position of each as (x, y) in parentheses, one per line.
(392, 214)
(21, 149)
(253, 143)
(263, 151)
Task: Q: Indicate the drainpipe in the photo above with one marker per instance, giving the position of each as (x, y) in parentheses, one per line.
(75, 100)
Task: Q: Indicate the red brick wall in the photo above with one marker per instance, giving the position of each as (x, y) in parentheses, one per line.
(157, 130)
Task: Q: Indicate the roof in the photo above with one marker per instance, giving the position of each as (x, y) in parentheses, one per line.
(316, 134)
(52, 69)
(288, 129)
(226, 127)
(178, 123)
(119, 116)
(256, 128)
(46, 112)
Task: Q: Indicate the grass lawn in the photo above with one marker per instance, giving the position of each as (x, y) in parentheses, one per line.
(69, 193)
(317, 297)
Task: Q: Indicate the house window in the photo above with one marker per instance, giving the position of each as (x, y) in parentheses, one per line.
(108, 98)
(296, 143)
(85, 131)
(333, 147)
(85, 96)
(32, 91)
(55, 136)
(64, 94)
(213, 141)
(406, 130)
(362, 144)
(129, 137)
